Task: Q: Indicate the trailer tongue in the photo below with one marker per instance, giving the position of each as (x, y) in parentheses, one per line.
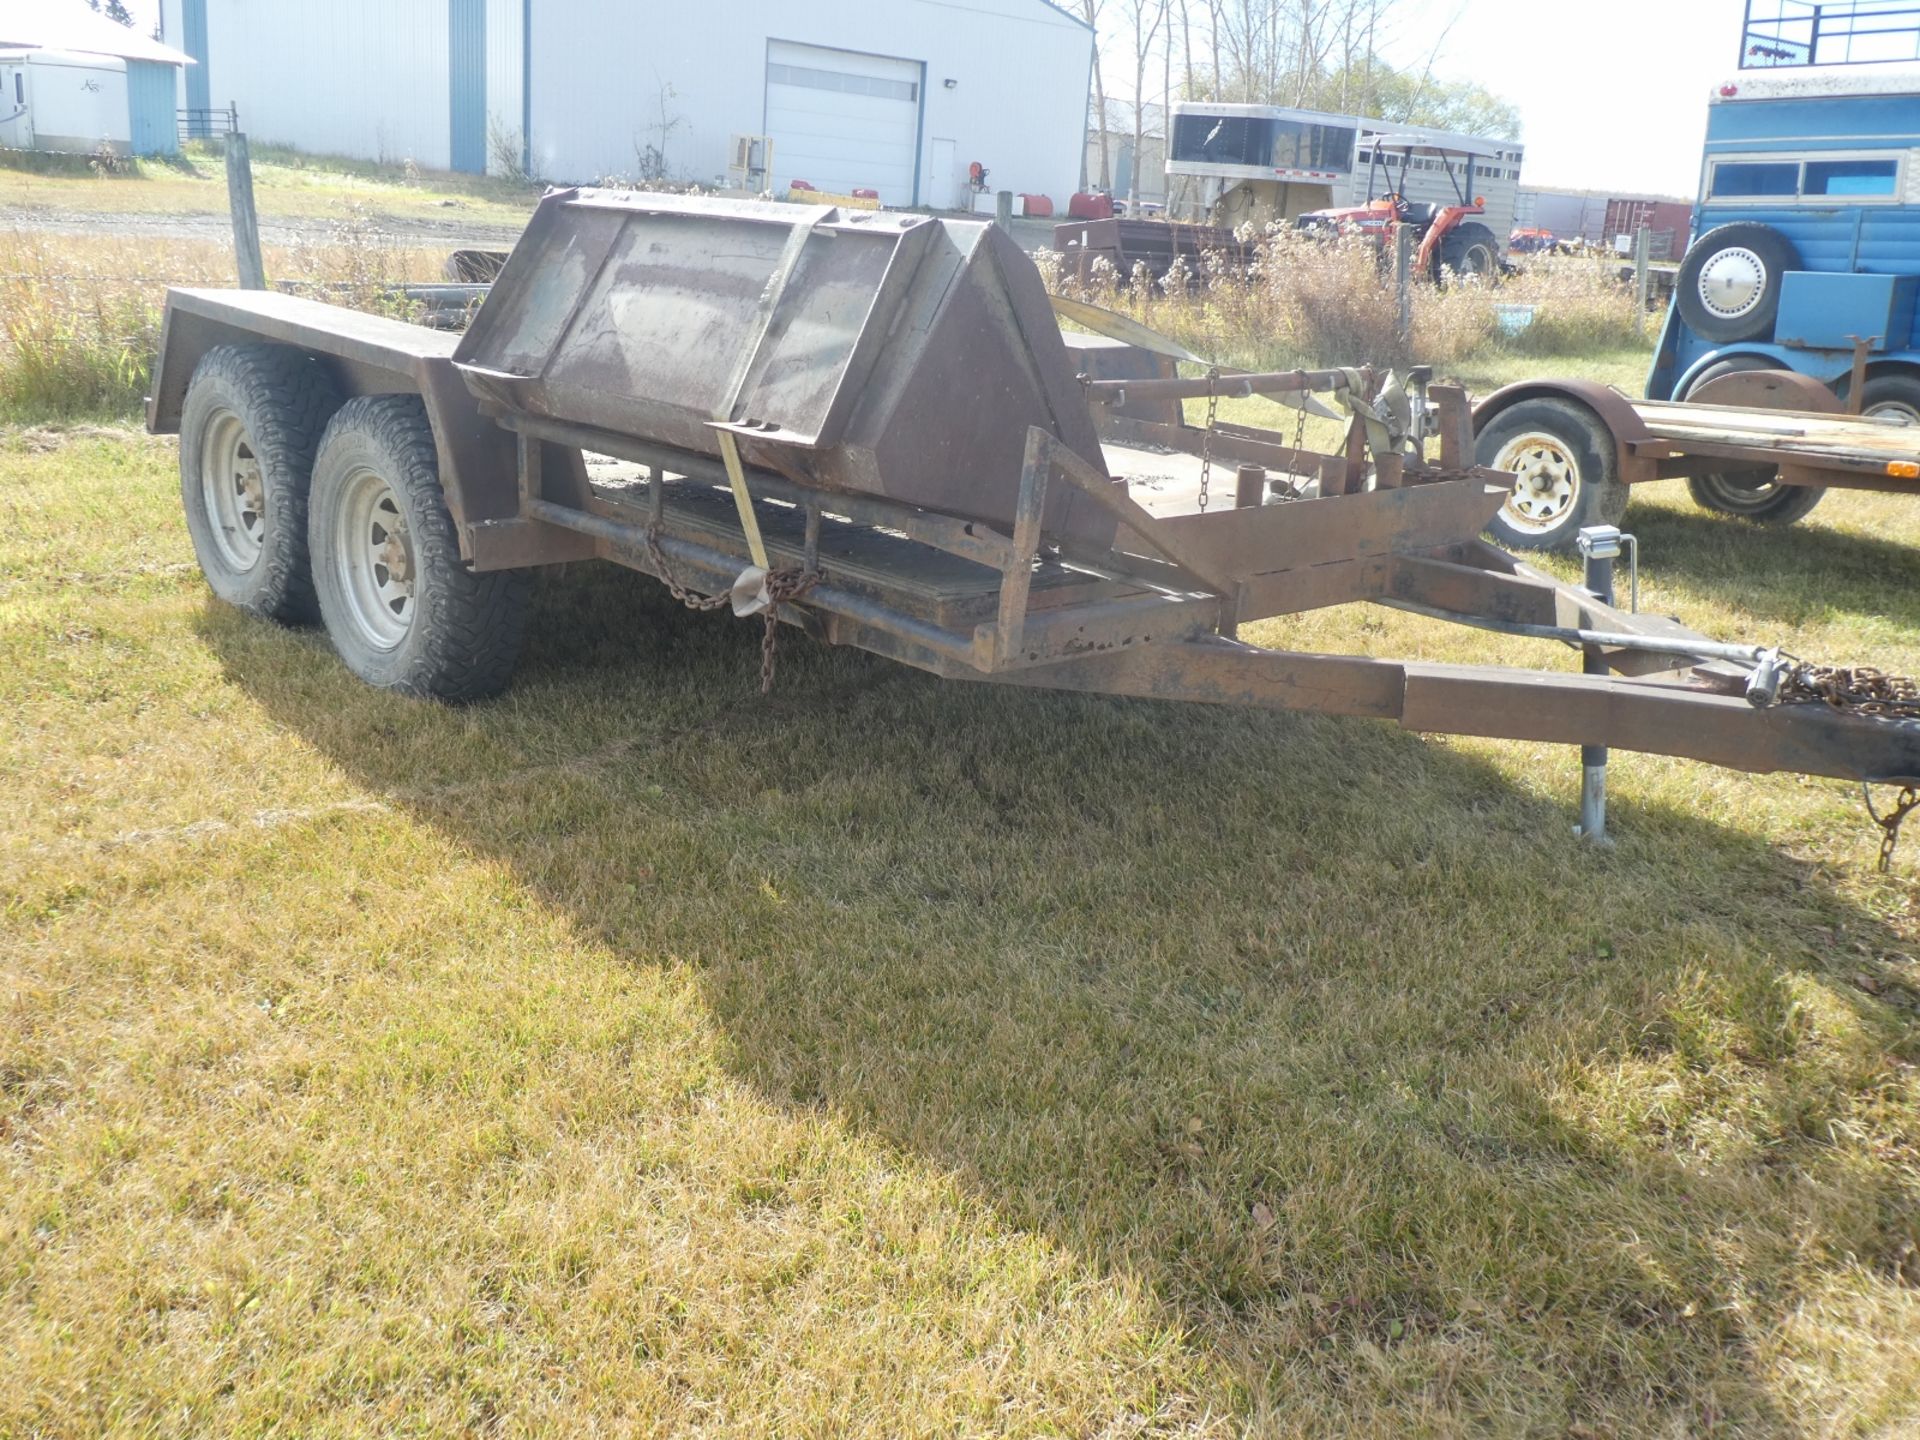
(871, 427)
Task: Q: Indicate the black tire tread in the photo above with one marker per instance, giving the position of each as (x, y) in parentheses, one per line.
(468, 628)
(1792, 503)
(285, 399)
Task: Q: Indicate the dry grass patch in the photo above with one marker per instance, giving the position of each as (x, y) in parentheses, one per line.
(287, 186)
(633, 1055)
(80, 315)
(1317, 302)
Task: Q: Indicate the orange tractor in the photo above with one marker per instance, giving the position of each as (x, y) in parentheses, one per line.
(1449, 238)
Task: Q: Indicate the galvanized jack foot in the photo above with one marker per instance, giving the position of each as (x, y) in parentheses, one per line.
(1600, 545)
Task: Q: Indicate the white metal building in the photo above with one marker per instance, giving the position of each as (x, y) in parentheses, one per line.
(898, 96)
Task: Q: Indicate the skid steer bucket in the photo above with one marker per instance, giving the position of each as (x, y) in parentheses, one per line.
(894, 355)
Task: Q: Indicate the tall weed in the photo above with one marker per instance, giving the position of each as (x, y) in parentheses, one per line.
(1306, 301)
(80, 314)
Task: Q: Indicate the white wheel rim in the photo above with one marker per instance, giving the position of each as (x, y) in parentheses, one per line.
(1546, 484)
(1476, 263)
(374, 560)
(1732, 282)
(234, 492)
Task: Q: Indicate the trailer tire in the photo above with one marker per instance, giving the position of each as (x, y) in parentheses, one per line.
(1567, 471)
(1892, 396)
(1729, 283)
(1469, 253)
(1753, 493)
(401, 607)
(251, 422)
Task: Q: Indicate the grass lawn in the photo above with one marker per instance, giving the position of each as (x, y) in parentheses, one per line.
(635, 1055)
(287, 186)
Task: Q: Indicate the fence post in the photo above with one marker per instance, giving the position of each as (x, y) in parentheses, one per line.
(1643, 267)
(1403, 281)
(1003, 210)
(246, 222)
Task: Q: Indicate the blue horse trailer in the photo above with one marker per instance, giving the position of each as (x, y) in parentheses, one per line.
(1807, 232)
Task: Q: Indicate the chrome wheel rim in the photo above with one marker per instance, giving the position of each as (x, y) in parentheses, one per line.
(374, 560)
(1895, 410)
(1546, 481)
(234, 492)
(1732, 282)
(1742, 492)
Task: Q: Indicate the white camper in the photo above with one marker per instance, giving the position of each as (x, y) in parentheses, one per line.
(63, 101)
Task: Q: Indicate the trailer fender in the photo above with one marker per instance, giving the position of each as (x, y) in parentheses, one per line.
(1767, 390)
(1614, 410)
(367, 355)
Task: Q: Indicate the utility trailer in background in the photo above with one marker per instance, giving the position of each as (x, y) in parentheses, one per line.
(870, 427)
(1125, 243)
(1761, 444)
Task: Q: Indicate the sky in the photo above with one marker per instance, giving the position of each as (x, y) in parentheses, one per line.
(1611, 97)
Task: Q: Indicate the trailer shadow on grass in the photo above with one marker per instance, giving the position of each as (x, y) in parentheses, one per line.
(1789, 573)
(1394, 1095)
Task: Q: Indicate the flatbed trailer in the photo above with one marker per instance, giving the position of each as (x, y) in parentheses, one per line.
(1760, 444)
(870, 427)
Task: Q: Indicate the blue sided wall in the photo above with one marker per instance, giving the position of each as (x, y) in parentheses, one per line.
(193, 40)
(150, 101)
(467, 85)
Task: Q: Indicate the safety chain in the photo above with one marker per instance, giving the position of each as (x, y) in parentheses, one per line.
(1206, 438)
(781, 585)
(693, 600)
(1866, 691)
(1890, 822)
(1861, 688)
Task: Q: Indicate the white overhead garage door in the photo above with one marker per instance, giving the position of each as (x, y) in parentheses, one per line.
(843, 121)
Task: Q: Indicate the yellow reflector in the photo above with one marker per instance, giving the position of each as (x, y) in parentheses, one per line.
(1903, 470)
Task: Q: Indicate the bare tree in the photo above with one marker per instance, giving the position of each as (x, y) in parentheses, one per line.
(1091, 10)
(1148, 17)
(1186, 54)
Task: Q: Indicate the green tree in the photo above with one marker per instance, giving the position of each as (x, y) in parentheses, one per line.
(1407, 98)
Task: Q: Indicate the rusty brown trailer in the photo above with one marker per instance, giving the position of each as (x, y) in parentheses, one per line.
(871, 427)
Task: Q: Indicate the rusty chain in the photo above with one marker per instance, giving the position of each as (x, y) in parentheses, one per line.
(692, 599)
(782, 586)
(1890, 822)
(1865, 690)
(1860, 688)
(1206, 438)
